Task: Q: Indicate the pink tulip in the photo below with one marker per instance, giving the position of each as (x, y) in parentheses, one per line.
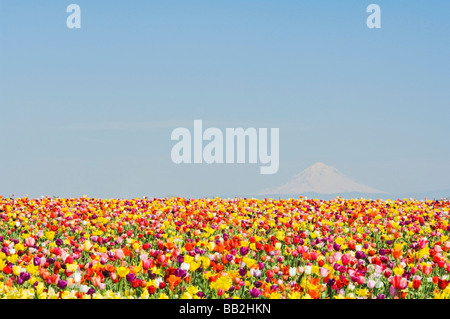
(345, 259)
(30, 242)
(146, 264)
(119, 254)
(323, 272)
(371, 283)
(378, 269)
(337, 256)
(422, 243)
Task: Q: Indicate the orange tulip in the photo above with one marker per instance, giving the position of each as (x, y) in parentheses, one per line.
(396, 253)
(173, 281)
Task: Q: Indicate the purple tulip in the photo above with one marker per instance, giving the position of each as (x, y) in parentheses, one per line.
(331, 282)
(25, 276)
(244, 251)
(200, 294)
(36, 261)
(360, 255)
(392, 291)
(130, 277)
(180, 273)
(242, 272)
(255, 292)
(62, 284)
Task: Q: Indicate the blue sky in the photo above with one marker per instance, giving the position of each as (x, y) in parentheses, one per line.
(91, 110)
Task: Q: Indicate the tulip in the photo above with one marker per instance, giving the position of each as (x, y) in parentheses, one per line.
(323, 272)
(398, 282)
(30, 242)
(308, 270)
(345, 259)
(426, 269)
(337, 256)
(255, 292)
(119, 253)
(292, 271)
(416, 282)
(371, 284)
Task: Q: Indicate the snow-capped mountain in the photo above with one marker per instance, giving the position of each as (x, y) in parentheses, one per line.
(320, 179)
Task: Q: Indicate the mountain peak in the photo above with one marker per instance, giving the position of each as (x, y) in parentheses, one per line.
(322, 179)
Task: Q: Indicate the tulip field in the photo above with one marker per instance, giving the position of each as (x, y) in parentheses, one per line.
(173, 248)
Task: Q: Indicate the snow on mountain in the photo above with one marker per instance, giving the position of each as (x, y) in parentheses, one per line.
(321, 179)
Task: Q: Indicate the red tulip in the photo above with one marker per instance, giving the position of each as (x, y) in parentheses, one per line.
(426, 269)
(442, 284)
(416, 282)
(399, 282)
(345, 259)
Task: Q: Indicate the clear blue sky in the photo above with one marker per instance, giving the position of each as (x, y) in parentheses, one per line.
(90, 111)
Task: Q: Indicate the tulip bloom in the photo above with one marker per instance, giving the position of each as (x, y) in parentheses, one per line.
(416, 282)
(323, 272)
(399, 282)
(255, 292)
